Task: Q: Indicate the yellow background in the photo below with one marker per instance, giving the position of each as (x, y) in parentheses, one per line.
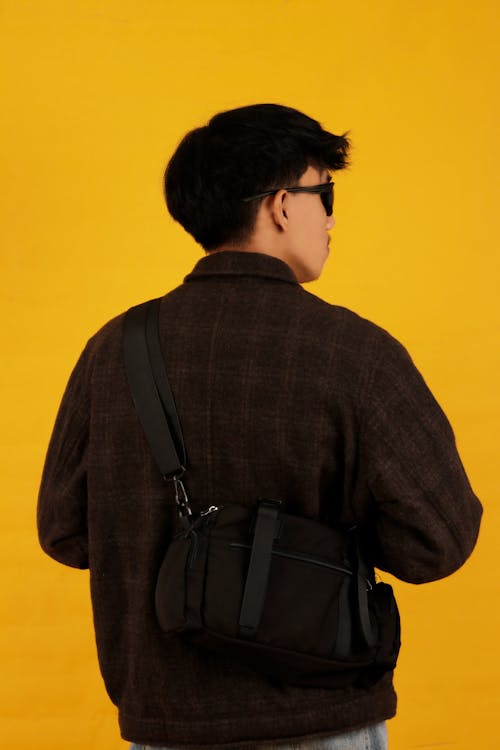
(95, 97)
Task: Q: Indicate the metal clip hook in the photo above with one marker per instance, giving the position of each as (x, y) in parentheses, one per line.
(173, 476)
(181, 498)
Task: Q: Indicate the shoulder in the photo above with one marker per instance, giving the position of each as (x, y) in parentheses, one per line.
(349, 327)
(322, 322)
(108, 338)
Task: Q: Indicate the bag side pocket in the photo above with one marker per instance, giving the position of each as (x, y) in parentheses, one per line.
(170, 591)
(389, 625)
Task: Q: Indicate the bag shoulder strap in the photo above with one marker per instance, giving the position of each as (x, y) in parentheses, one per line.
(150, 389)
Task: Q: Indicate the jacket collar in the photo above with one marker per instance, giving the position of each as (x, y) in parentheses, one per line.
(242, 263)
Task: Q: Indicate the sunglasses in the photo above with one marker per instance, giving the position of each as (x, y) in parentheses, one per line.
(325, 191)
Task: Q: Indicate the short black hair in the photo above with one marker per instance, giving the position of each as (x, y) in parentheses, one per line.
(239, 153)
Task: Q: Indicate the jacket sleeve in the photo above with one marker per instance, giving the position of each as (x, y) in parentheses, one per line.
(62, 497)
(426, 517)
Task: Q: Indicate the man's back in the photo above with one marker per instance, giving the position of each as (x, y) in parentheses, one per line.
(279, 394)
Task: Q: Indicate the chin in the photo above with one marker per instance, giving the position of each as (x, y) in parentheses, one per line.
(311, 276)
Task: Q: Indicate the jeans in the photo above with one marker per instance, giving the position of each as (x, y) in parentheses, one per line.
(373, 737)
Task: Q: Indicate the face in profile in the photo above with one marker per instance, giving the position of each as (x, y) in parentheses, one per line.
(306, 247)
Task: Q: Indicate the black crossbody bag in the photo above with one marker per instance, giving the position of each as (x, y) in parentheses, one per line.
(290, 597)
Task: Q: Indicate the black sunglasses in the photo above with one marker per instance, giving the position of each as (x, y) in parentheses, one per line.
(325, 191)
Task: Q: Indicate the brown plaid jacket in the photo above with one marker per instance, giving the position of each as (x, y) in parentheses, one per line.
(279, 394)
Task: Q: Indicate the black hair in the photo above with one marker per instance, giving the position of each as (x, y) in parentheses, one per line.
(242, 152)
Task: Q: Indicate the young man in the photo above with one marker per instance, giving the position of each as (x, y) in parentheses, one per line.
(280, 395)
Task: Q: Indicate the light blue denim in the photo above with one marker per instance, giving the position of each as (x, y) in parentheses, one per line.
(373, 737)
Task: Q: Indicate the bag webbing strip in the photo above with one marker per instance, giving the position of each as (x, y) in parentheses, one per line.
(258, 569)
(145, 395)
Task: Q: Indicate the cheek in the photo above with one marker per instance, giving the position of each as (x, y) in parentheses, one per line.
(308, 235)
(320, 228)
(310, 228)
(302, 228)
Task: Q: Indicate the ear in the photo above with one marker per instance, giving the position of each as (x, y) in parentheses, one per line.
(278, 209)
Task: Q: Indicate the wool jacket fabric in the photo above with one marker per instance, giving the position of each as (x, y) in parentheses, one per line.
(279, 394)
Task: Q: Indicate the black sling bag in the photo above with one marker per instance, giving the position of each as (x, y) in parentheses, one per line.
(290, 597)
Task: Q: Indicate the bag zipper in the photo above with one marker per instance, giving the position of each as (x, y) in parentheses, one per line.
(191, 531)
(302, 558)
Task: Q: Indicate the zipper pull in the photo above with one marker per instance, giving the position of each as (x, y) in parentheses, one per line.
(209, 510)
(201, 518)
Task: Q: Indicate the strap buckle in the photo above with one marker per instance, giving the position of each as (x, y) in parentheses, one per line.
(176, 474)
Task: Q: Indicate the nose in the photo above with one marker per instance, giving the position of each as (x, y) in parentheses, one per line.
(330, 222)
